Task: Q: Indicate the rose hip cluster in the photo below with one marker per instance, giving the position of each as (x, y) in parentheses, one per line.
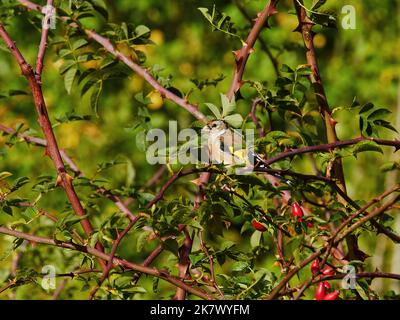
(321, 292)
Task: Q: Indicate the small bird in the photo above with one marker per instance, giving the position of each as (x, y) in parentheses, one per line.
(227, 146)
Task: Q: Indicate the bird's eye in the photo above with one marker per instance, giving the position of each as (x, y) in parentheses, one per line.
(214, 125)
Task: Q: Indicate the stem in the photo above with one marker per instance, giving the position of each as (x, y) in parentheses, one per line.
(162, 274)
(242, 55)
(108, 46)
(52, 149)
(330, 146)
(42, 46)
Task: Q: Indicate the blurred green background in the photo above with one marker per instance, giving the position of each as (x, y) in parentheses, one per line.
(360, 63)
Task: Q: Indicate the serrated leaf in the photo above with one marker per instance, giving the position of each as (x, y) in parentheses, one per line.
(255, 239)
(95, 97)
(29, 213)
(69, 78)
(285, 68)
(5, 174)
(368, 106)
(142, 30)
(227, 106)
(8, 210)
(79, 44)
(379, 113)
(214, 109)
(366, 146)
(234, 120)
(66, 66)
(142, 240)
(385, 124)
(239, 266)
(389, 166)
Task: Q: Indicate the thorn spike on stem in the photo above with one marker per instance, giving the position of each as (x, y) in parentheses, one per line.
(58, 180)
(332, 121)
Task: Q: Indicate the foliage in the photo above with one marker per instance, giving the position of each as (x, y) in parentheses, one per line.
(101, 109)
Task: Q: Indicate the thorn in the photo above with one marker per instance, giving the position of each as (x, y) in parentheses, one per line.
(332, 122)
(58, 180)
(298, 28)
(236, 53)
(273, 10)
(46, 152)
(197, 182)
(68, 177)
(251, 50)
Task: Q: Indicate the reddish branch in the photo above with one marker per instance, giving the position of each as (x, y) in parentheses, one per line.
(73, 166)
(52, 149)
(211, 261)
(154, 254)
(110, 263)
(242, 55)
(184, 262)
(259, 127)
(103, 256)
(43, 45)
(109, 47)
(331, 146)
(263, 45)
(30, 5)
(378, 211)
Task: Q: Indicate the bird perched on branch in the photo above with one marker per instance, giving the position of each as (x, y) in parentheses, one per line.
(226, 145)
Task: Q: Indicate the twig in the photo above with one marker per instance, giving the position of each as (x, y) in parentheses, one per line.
(211, 261)
(275, 292)
(162, 274)
(331, 146)
(108, 46)
(263, 45)
(259, 127)
(242, 55)
(52, 149)
(184, 262)
(42, 143)
(110, 263)
(42, 46)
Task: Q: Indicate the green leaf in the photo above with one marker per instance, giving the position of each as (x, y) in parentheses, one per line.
(214, 109)
(227, 106)
(69, 78)
(389, 166)
(142, 30)
(14, 92)
(6, 253)
(368, 106)
(95, 97)
(385, 124)
(239, 266)
(4, 175)
(141, 240)
(29, 213)
(366, 146)
(8, 210)
(79, 44)
(66, 66)
(235, 120)
(255, 239)
(171, 245)
(285, 68)
(378, 113)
